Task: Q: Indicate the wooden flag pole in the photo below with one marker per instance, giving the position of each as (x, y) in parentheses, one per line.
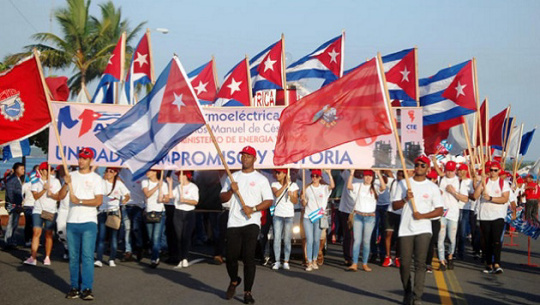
(283, 74)
(118, 85)
(394, 129)
(417, 88)
(469, 146)
(342, 53)
(214, 70)
(505, 135)
(242, 203)
(152, 73)
(488, 149)
(514, 170)
(250, 88)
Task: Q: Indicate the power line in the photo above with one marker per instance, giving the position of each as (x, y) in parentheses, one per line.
(22, 15)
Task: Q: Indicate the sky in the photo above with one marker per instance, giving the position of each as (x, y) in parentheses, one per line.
(503, 36)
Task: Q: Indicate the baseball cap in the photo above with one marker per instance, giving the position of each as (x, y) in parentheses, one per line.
(188, 174)
(423, 158)
(44, 165)
(249, 150)
(432, 174)
(463, 167)
(519, 180)
(368, 172)
(450, 166)
(491, 164)
(317, 172)
(86, 153)
(281, 170)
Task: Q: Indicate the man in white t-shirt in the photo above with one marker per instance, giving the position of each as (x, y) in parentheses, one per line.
(415, 227)
(86, 194)
(244, 220)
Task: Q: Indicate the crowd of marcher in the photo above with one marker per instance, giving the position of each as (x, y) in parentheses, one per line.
(370, 212)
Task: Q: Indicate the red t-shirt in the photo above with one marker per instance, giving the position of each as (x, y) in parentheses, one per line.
(533, 192)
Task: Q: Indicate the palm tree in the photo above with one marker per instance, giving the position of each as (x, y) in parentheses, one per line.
(86, 43)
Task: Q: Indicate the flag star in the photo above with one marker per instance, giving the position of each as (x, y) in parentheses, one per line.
(459, 89)
(201, 87)
(405, 74)
(269, 64)
(110, 60)
(333, 55)
(178, 101)
(234, 86)
(141, 59)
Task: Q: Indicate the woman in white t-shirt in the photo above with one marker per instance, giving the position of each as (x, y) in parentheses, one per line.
(63, 211)
(186, 197)
(28, 207)
(156, 193)
(315, 199)
(45, 192)
(365, 198)
(286, 196)
(116, 193)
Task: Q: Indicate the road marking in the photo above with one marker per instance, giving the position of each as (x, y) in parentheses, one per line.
(444, 294)
(459, 296)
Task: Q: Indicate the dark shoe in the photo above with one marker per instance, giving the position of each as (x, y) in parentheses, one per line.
(139, 254)
(450, 264)
(218, 260)
(248, 298)
(232, 289)
(73, 294)
(498, 270)
(429, 269)
(488, 270)
(442, 267)
(128, 257)
(87, 295)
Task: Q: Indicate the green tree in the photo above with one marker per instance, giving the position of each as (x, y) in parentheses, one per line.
(85, 44)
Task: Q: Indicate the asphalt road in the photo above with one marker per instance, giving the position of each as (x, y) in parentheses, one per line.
(205, 283)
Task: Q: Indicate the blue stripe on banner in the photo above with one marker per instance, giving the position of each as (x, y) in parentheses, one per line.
(446, 115)
(442, 74)
(311, 73)
(432, 98)
(196, 72)
(396, 56)
(308, 57)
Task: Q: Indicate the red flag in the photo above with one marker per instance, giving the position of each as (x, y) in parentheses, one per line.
(236, 86)
(23, 104)
(348, 109)
(114, 66)
(496, 124)
(205, 83)
(58, 87)
(331, 56)
(270, 67)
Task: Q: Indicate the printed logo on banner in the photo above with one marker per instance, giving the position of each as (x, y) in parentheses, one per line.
(326, 116)
(88, 119)
(411, 127)
(11, 105)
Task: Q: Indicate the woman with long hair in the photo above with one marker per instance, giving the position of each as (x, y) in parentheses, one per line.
(116, 193)
(315, 199)
(156, 193)
(186, 197)
(365, 196)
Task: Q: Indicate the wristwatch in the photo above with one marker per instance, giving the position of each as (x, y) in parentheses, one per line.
(254, 209)
(80, 201)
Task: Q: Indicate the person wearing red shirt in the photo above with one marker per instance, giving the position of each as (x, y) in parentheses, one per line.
(532, 191)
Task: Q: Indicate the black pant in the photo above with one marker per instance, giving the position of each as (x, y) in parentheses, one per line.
(223, 218)
(492, 231)
(347, 236)
(242, 241)
(416, 245)
(531, 210)
(263, 241)
(28, 224)
(435, 228)
(184, 224)
(170, 231)
(475, 232)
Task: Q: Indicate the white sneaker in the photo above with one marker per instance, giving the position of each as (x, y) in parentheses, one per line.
(66, 256)
(47, 261)
(315, 266)
(30, 261)
(309, 267)
(112, 263)
(185, 263)
(276, 266)
(286, 266)
(179, 266)
(98, 264)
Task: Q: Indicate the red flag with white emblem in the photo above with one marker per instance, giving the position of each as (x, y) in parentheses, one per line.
(205, 82)
(461, 90)
(270, 67)
(236, 87)
(331, 56)
(115, 64)
(403, 74)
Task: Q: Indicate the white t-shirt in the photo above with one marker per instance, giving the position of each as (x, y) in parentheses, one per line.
(285, 207)
(64, 203)
(136, 195)
(85, 186)
(346, 203)
(317, 198)
(451, 204)
(466, 189)
(28, 198)
(254, 188)
(152, 203)
(363, 198)
(111, 200)
(384, 197)
(222, 181)
(189, 192)
(427, 198)
(45, 203)
(392, 187)
(493, 211)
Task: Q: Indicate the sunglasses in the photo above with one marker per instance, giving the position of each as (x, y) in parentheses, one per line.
(494, 170)
(315, 176)
(110, 171)
(422, 165)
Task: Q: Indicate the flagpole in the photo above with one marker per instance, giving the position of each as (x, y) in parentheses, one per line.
(469, 146)
(417, 88)
(476, 97)
(214, 70)
(152, 73)
(249, 82)
(517, 155)
(118, 85)
(394, 129)
(488, 149)
(283, 74)
(51, 113)
(505, 136)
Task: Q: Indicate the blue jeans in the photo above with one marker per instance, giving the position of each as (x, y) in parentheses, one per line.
(132, 218)
(13, 224)
(41, 223)
(313, 238)
(448, 228)
(362, 230)
(102, 233)
(155, 230)
(379, 231)
(464, 228)
(283, 225)
(81, 245)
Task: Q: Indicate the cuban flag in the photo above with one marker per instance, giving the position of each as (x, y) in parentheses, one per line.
(235, 90)
(325, 63)
(266, 68)
(203, 80)
(316, 215)
(149, 130)
(16, 149)
(113, 73)
(446, 97)
(140, 70)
